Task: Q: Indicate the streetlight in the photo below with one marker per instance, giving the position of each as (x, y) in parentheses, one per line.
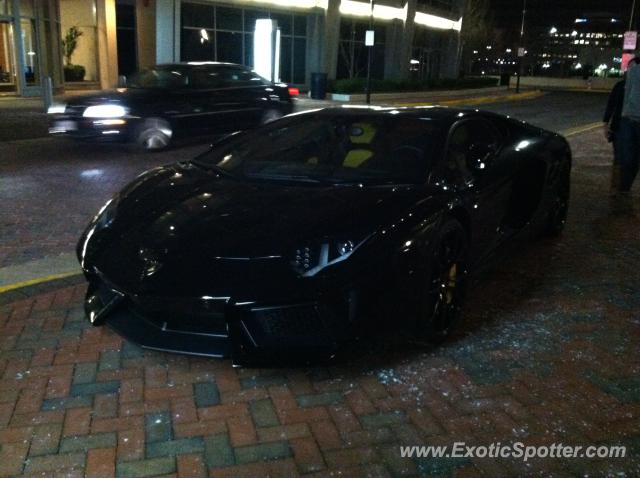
(520, 47)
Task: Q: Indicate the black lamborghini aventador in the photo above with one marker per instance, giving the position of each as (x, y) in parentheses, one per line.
(300, 235)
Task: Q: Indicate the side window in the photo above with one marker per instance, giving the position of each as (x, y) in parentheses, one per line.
(236, 78)
(204, 79)
(469, 144)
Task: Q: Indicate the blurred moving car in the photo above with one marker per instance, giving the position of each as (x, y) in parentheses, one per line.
(174, 100)
(294, 237)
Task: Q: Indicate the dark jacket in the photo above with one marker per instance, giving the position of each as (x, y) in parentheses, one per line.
(613, 112)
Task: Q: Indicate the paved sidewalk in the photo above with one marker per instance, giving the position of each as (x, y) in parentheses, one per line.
(547, 353)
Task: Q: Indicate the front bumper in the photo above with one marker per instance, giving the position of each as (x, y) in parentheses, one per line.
(300, 330)
(96, 129)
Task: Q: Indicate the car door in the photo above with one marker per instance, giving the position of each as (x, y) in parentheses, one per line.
(246, 96)
(476, 167)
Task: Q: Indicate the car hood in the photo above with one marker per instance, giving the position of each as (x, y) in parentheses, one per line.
(207, 232)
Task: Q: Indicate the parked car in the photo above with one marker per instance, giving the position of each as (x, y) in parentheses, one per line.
(299, 235)
(175, 100)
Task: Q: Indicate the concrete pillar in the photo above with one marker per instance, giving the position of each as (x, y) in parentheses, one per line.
(315, 43)
(167, 31)
(323, 36)
(146, 33)
(450, 61)
(331, 38)
(107, 43)
(398, 45)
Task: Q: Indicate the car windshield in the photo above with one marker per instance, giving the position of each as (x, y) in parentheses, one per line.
(379, 149)
(162, 78)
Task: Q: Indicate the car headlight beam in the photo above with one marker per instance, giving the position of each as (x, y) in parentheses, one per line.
(105, 111)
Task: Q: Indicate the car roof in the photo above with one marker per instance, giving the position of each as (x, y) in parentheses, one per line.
(432, 112)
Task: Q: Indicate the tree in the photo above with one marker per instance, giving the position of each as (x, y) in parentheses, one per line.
(476, 32)
(70, 43)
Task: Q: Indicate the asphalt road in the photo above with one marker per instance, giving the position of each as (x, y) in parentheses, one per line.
(50, 188)
(557, 111)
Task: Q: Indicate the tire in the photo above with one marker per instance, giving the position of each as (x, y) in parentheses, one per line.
(445, 284)
(270, 115)
(557, 214)
(154, 134)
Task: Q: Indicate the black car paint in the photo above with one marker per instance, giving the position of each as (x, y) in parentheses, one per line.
(188, 110)
(211, 238)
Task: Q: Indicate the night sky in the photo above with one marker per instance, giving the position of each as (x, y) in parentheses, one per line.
(507, 13)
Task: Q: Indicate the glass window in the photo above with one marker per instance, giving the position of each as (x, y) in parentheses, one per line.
(286, 74)
(162, 78)
(300, 25)
(205, 78)
(7, 64)
(29, 48)
(299, 59)
(229, 46)
(197, 45)
(81, 15)
(228, 18)
(235, 77)
(334, 149)
(250, 17)
(26, 8)
(248, 49)
(284, 22)
(196, 15)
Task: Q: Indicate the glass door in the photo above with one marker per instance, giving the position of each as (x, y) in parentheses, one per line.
(30, 49)
(7, 60)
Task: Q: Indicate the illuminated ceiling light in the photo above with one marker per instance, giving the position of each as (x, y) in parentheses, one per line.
(574, 33)
(382, 12)
(414, 62)
(581, 20)
(553, 30)
(295, 3)
(204, 36)
(440, 23)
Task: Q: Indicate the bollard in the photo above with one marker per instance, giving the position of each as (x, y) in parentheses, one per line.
(47, 93)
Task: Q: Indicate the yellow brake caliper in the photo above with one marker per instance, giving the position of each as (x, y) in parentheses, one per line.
(451, 283)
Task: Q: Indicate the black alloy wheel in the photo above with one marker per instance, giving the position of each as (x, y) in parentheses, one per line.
(446, 283)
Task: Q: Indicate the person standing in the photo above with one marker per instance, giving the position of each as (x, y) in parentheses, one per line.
(611, 120)
(630, 129)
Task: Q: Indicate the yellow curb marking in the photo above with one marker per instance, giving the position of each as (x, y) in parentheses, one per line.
(528, 95)
(39, 280)
(581, 129)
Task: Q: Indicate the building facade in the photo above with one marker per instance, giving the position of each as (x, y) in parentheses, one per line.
(113, 38)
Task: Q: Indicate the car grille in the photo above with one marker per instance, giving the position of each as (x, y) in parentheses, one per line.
(312, 320)
(72, 110)
(190, 316)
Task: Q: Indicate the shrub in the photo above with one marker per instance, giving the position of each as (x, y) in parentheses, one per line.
(74, 72)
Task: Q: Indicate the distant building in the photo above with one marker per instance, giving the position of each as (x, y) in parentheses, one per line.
(413, 37)
(585, 46)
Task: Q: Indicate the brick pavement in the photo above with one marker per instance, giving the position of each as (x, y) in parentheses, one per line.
(548, 352)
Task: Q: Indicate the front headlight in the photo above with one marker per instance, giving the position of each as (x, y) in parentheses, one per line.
(309, 260)
(105, 111)
(57, 108)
